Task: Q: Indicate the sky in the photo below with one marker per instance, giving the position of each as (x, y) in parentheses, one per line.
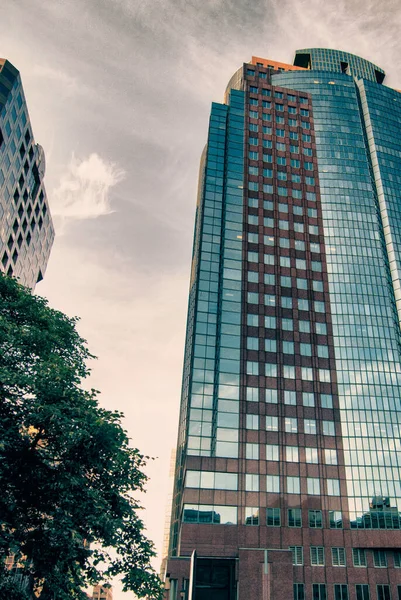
(119, 95)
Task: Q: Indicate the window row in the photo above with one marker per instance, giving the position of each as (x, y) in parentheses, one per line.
(295, 163)
(290, 397)
(338, 557)
(291, 425)
(362, 591)
(293, 485)
(290, 454)
(299, 283)
(284, 225)
(287, 371)
(287, 324)
(294, 518)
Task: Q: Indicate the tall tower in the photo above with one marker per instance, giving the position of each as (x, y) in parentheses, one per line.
(26, 228)
(287, 480)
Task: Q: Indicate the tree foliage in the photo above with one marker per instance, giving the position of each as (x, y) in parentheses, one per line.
(67, 470)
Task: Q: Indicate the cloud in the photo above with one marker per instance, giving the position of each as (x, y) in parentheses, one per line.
(68, 84)
(84, 189)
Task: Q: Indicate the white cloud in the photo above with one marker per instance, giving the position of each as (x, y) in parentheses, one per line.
(63, 80)
(84, 189)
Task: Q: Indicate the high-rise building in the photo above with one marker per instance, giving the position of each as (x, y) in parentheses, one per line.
(287, 480)
(26, 228)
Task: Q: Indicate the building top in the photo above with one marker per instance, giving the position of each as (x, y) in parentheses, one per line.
(275, 65)
(325, 59)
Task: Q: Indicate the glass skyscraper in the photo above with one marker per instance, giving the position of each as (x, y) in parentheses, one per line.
(26, 228)
(287, 480)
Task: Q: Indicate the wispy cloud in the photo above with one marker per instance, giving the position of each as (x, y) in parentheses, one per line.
(61, 79)
(84, 189)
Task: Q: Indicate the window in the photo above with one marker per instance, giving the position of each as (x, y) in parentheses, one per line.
(362, 591)
(199, 513)
(317, 556)
(315, 518)
(299, 227)
(308, 399)
(290, 397)
(311, 455)
(281, 148)
(273, 517)
(293, 485)
(321, 328)
(326, 401)
(270, 345)
(252, 320)
(307, 373)
(252, 368)
(252, 343)
(322, 351)
(280, 132)
(268, 189)
(268, 240)
(340, 591)
(271, 423)
(308, 166)
(310, 181)
(252, 421)
(268, 173)
(294, 517)
(253, 256)
(285, 281)
(270, 370)
(291, 425)
(270, 322)
(291, 454)
(310, 426)
(251, 482)
(383, 592)
(359, 557)
(295, 163)
(293, 135)
(253, 170)
(303, 304)
(298, 210)
(253, 126)
(252, 451)
(330, 457)
(287, 324)
(292, 110)
(379, 558)
(288, 348)
(338, 557)
(282, 207)
(288, 372)
(251, 516)
(284, 260)
(253, 238)
(273, 484)
(252, 394)
(299, 591)
(296, 179)
(335, 519)
(305, 349)
(253, 298)
(302, 284)
(333, 487)
(252, 220)
(328, 428)
(272, 452)
(300, 263)
(270, 300)
(297, 555)
(313, 486)
(319, 591)
(397, 559)
(271, 396)
(253, 114)
(294, 149)
(269, 279)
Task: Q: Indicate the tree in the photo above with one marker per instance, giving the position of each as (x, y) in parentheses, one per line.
(67, 470)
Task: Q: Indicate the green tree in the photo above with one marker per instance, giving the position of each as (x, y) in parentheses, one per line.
(67, 470)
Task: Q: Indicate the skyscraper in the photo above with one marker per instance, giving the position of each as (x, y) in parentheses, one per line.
(26, 229)
(287, 479)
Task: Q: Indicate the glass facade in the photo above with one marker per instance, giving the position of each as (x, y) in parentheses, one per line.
(290, 419)
(26, 229)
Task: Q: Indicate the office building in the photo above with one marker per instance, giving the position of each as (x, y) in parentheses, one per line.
(26, 229)
(287, 480)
